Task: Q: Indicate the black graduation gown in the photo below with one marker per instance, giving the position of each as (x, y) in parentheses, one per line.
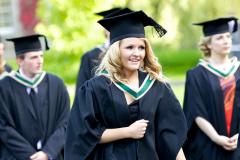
(90, 60)
(21, 127)
(99, 104)
(204, 98)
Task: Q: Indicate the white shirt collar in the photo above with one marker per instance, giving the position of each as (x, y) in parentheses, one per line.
(29, 90)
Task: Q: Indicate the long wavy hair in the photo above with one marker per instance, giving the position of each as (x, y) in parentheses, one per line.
(203, 46)
(112, 64)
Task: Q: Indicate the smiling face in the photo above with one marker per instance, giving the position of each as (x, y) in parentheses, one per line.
(31, 64)
(132, 53)
(220, 44)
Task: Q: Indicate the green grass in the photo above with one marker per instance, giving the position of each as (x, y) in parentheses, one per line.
(179, 92)
(175, 63)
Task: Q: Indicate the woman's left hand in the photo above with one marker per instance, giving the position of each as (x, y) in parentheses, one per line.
(234, 140)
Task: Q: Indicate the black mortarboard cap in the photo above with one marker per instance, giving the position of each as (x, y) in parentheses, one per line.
(129, 25)
(119, 12)
(220, 25)
(28, 43)
(106, 12)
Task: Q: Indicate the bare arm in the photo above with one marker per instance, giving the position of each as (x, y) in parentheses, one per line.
(135, 131)
(210, 131)
(207, 128)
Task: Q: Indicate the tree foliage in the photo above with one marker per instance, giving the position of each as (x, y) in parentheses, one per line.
(71, 24)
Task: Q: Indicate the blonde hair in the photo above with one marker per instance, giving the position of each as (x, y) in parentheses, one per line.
(203, 46)
(112, 64)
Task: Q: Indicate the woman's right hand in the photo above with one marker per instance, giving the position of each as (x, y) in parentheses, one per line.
(226, 143)
(138, 129)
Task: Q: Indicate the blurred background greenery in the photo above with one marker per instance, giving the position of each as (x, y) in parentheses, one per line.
(72, 29)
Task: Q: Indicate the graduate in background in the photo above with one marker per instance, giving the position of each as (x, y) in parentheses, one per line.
(91, 59)
(128, 111)
(4, 68)
(210, 102)
(34, 107)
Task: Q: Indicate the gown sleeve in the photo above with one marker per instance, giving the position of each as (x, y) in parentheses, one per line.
(84, 129)
(14, 141)
(170, 124)
(193, 106)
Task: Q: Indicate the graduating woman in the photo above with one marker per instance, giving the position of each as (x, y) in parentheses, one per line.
(210, 102)
(128, 111)
(91, 59)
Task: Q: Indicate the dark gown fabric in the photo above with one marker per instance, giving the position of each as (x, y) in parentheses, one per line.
(99, 104)
(21, 126)
(132, 146)
(90, 60)
(204, 98)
